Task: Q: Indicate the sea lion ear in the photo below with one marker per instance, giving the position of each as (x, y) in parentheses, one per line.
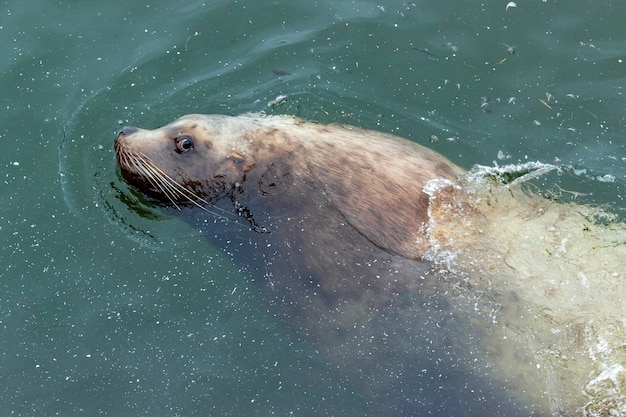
(241, 159)
(236, 156)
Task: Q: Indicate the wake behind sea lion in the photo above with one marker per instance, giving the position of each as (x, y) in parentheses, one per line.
(434, 295)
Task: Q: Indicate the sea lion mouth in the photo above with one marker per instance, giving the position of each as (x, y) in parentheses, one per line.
(145, 176)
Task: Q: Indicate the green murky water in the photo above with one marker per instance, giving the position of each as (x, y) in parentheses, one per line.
(106, 312)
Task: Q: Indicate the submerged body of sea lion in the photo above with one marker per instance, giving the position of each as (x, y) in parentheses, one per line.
(436, 295)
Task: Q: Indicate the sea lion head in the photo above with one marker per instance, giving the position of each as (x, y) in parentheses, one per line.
(183, 163)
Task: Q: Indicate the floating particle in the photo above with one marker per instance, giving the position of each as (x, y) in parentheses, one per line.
(454, 48)
(510, 4)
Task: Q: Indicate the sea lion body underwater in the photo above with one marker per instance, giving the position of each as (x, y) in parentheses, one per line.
(355, 235)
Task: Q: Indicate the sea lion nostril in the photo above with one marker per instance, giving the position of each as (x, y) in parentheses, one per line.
(127, 130)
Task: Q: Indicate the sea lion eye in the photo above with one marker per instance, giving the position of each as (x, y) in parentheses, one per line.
(184, 144)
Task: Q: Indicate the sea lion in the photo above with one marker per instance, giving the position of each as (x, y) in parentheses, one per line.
(380, 251)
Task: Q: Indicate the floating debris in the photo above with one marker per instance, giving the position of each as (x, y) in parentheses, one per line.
(280, 72)
(454, 48)
(510, 49)
(278, 100)
(484, 104)
(606, 178)
(510, 4)
(542, 101)
(425, 51)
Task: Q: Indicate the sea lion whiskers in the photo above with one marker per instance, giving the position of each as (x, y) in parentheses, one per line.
(172, 189)
(160, 180)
